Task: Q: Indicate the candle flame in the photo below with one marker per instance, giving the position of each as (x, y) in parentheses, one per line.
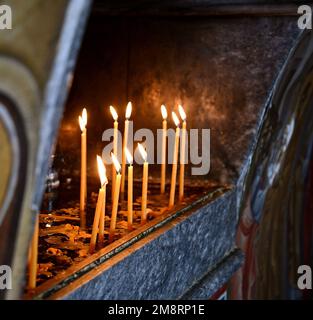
(163, 111)
(81, 123)
(175, 119)
(83, 120)
(115, 162)
(142, 152)
(85, 116)
(102, 171)
(114, 113)
(129, 156)
(182, 112)
(128, 110)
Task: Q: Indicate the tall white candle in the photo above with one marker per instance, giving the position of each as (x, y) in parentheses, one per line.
(175, 160)
(83, 170)
(125, 143)
(98, 221)
(129, 190)
(33, 258)
(163, 164)
(115, 145)
(182, 153)
(144, 184)
(117, 167)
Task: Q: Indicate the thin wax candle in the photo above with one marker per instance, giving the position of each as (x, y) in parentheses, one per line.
(115, 144)
(125, 143)
(129, 190)
(98, 222)
(175, 159)
(117, 186)
(33, 258)
(163, 164)
(83, 170)
(144, 184)
(182, 153)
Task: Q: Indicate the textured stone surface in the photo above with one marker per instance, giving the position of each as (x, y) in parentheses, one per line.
(213, 280)
(166, 263)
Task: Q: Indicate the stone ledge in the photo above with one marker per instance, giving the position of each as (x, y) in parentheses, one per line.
(166, 263)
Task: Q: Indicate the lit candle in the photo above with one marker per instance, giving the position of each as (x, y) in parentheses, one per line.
(182, 154)
(115, 141)
(117, 167)
(163, 164)
(175, 158)
(83, 170)
(129, 190)
(33, 258)
(144, 184)
(98, 221)
(125, 142)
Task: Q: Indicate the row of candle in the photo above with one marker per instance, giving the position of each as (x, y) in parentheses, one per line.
(118, 180)
(119, 173)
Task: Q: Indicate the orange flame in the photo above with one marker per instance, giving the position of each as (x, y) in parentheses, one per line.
(182, 112)
(175, 119)
(102, 171)
(115, 162)
(128, 110)
(163, 111)
(114, 113)
(129, 156)
(82, 120)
